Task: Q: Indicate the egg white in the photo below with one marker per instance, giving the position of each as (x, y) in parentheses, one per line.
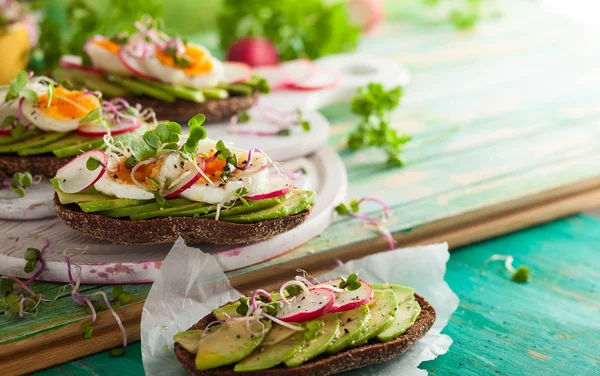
(39, 119)
(112, 187)
(179, 77)
(105, 60)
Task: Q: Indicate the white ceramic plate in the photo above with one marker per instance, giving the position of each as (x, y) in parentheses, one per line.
(102, 262)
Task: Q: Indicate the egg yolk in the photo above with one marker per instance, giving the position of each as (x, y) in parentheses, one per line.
(68, 104)
(108, 45)
(199, 61)
(123, 175)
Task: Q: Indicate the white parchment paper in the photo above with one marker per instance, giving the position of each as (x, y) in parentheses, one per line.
(191, 284)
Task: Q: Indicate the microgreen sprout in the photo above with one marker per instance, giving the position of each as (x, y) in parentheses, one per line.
(313, 328)
(374, 105)
(353, 207)
(22, 180)
(293, 290)
(351, 283)
(520, 274)
(243, 116)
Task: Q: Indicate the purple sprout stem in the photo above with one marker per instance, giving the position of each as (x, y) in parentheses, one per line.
(23, 286)
(256, 293)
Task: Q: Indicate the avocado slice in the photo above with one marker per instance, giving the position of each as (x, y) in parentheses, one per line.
(70, 140)
(96, 206)
(222, 312)
(141, 88)
(229, 343)
(40, 140)
(144, 208)
(318, 345)
(383, 310)
(243, 90)
(189, 340)
(351, 326)
(89, 194)
(403, 293)
(214, 93)
(178, 91)
(169, 212)
(74, 150)
(408, 312)
(240, 208)
(264, 357)
(277, 334)
(298, 201)
(29, 133)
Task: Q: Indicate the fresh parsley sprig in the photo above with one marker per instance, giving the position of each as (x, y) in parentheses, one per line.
(374, 105)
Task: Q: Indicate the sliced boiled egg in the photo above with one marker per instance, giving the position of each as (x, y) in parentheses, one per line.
(62, 112)
(200, 70)
(104, 54)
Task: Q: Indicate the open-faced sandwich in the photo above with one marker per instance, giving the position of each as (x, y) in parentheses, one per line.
(43, 125)
(169, 184)
(306, 329)
(177, 79)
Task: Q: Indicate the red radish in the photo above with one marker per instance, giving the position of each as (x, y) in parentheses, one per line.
(75, 177)
(183, 184)
(6, 132)
(304, 308)
(236, 72)
(298, 70)
(275, 75)
(277, 187)
(96, 129)
(320, 79)
(74, 62)
(253, 51)
(349, 300)
(366, 14)
(134, 65)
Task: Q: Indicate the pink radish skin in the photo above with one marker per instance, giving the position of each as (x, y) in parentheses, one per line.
(74, 62)
(75, 177)
(317, 304)
(264, 196)
(134, 66)
(349, 300)
(6, 132)
(253, 51)
(98, 130)
(366, 14)
(186, 185)
(275, 75)
(236, 72)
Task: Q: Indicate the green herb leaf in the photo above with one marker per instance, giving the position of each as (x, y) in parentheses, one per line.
(6, 286)
(29, 266)
(197, 121)
(272, 308)
(31, 254)
(92, 116)
(243, 116)
(351, 284)
(116, 291)
(18, 130)
(18, 190)
(354, 206)
(163, 132)
(118, 352)
(159, 198)
(125, 298)
(152, 139)
(130, 162)
(16, 85)
(284, 132)
(244, 306)
(8, 121)
(342, 209)
(29, 95)
(92, 164)
(313, 328)
(306, 126)
(293, 290)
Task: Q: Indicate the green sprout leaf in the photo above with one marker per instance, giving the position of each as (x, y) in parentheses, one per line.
(6, 286)
(32, 254)
(306, 126)
(272, 308)
(29, 95)
(18, 190)
(16, 85)
(284, 132)
(92, 164)
(24, 179)
(154, 182)
(87, 329)
(342, 209)
(8, 121)
(293, 290)
(125, 298)
(163, 132)
(313, 328)
(354, 206)
(29, 266)
(521, 275)
(118, 352)
(197, 121)
(243, 116)
(18, 130)
(92, 116)
(116, 291)
(351, 284)
(152, 139)
(244, 306)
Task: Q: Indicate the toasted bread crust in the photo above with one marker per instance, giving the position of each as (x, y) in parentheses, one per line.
(371, 353)
(167, 230)
(181, 110)
(45, 165)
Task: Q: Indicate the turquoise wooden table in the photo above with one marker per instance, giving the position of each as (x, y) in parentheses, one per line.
(505, 122)
(548, 326)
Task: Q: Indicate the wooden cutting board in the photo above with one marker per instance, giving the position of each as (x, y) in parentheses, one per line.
(505, 124)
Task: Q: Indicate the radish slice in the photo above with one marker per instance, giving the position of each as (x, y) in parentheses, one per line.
(183, 184)
(366, 13)
(349, 300)
(275, 75)
(6, 132)
(320, 79)
(75, 177)
(298, 70)
(74, 62)
(236, 72)
(305, 308)
(96, 129)
(277, 187)
(134, 65)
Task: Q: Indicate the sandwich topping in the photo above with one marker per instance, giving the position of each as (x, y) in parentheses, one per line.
(39, 116)
(299, 322)
(167, 172)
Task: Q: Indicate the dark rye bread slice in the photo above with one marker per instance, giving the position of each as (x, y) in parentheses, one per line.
(181, 110)
(370, 353)
(167, 230)
(45, 165)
